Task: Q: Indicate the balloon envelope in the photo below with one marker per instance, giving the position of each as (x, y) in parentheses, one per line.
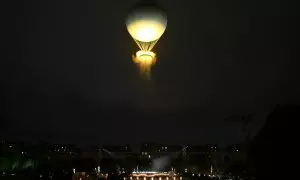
(146, 23)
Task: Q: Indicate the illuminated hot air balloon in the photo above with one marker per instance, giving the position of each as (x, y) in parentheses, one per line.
(146, 23)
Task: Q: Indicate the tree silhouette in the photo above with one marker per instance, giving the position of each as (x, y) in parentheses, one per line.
(272, 150)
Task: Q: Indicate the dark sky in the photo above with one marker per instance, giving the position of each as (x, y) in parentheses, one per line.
(68, 74)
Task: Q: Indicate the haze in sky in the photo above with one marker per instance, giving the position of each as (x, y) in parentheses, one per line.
(69, 76)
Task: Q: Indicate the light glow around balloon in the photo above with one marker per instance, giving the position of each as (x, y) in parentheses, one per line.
(146, 30)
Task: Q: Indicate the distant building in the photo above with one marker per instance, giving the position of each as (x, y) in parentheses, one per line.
(64, 149)
(117, 148)
(157, 149)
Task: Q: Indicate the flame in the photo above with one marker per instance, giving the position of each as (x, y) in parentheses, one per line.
(145, 60)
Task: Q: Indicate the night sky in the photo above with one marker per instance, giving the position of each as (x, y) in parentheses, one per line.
(67, 74)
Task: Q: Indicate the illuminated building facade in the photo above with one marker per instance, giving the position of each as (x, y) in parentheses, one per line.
(152, 175)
